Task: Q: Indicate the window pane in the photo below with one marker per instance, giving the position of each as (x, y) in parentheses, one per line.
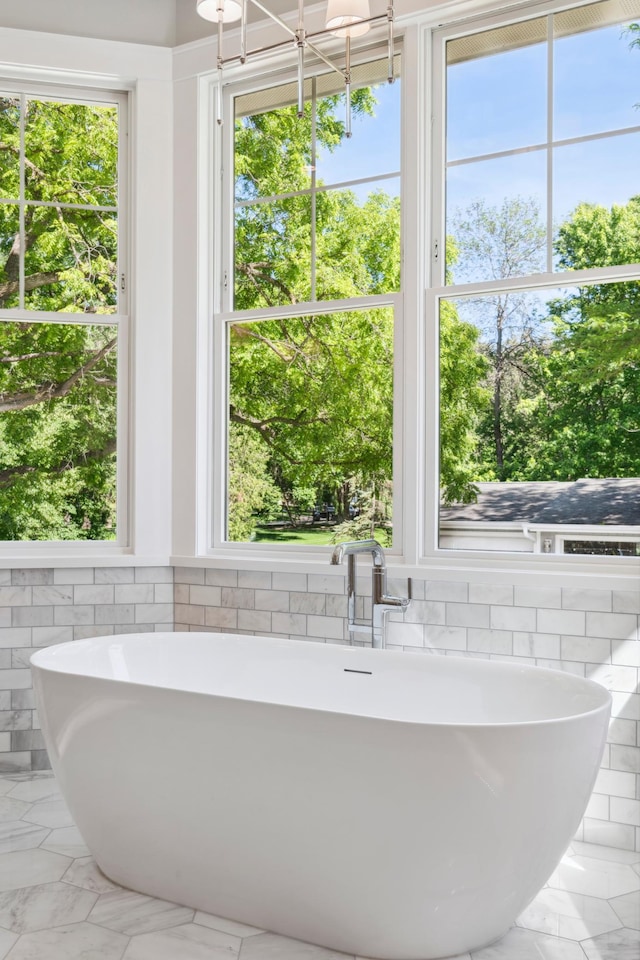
(358, 241)
(273, 253)
(71, 152)
(310, 428)
(496, 216)
(600, 174)
(10, 140)
(598, 67)
(540, 401)
(374, 148)
(57, 431)
(71, 260)
(9, 255)
(486, 111)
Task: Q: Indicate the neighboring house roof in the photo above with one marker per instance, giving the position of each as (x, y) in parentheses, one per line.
(607, 501)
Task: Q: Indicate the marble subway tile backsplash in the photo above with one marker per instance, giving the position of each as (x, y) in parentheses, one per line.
(588, 632)
(39, 607)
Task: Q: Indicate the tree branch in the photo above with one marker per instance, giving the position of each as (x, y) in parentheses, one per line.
(10, 473)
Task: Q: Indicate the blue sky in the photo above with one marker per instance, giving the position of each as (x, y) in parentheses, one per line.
(499, 103)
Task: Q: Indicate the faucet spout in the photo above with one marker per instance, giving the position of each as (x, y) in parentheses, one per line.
(382, 602)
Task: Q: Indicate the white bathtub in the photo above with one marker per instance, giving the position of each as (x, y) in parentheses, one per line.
(378, 803)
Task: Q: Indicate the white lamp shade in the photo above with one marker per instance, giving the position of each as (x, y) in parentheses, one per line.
(344, 17)
(209, 10)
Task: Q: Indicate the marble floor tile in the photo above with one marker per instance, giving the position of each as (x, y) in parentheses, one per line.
(191, 941)
(271, 946)
(67, 841)
(5, 787)
(84, 872)
(226, 926)
(595, 878)
(49, 813)
(43, 906)
(628, 909)
(20, 835)
(25, 868)
(619, 945)
(572, 916)
(7, 940)
(13, 809)
(40, 788)
(78, 941)
(133, 913)
(521, 944)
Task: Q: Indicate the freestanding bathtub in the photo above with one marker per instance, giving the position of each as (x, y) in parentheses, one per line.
(378, 803)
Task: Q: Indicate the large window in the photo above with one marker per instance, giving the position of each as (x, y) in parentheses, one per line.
(540, 314)
(316, 260)
(61, 314)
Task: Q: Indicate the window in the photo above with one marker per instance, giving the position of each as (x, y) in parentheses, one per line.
(315, 258)
(61, 315)
(539, 385)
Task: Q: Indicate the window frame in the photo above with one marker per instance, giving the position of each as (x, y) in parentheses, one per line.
(87, 94)
(437, 290)
(212, 468)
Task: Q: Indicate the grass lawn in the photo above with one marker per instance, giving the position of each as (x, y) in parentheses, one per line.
(315, 536)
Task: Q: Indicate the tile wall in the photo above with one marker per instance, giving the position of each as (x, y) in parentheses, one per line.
(39, 607)
(588, 632)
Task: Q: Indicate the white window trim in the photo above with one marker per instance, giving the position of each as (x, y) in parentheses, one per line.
(71, 66)
(433, 553)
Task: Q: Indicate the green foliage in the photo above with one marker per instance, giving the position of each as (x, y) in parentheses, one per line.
(58, 380)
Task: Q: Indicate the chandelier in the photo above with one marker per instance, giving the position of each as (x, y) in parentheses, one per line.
(344, 18)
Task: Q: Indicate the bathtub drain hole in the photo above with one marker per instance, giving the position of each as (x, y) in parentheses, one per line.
(348, 670)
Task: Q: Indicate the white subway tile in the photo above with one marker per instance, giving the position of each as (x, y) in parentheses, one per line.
(420, 611)
(625, 811)
(581, 599)
(163, 592)
(15, 679)
(32, 575)
(308, 603)
(114, 613)
(324, 583)
(189, 613)
(221, 578)
(289, 581)
(289, 623)
(73, 575)
(545, 645)
(498, 642)
(94, 593)
(207, 596)
(616, 783)
(561, 621)
(48, 594)
(617, 835)
(622, 732)
(46, 636)
(237, 597)
(254, 620)
(626, 653)
(620, 679)
(114, 575)
(153, 613)
(498, 593)
(327, 627)
(336, 605)
(274, 600)
(467, 615)
(189, 574)
(5, 578)
(83, 631)
(154, 574)
(625, 758)
(254, 579)
(181, 593)
(624, 705)
(15, 636)
(5, 617)
(626, 601)
(220, 617)
(15, 596)
(405, 634)
(454, 590)
(34, 616)
(446, 638)
(513, 618)
(619, 626)
(531, 596)
(135, 593)
(589, 649)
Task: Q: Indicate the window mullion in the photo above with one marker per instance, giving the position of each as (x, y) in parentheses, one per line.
(21, 204)
(314, 106)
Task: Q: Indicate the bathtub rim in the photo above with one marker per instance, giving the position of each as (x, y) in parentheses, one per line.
(473, 663)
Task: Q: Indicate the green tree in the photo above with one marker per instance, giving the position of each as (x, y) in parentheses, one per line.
(58, 380)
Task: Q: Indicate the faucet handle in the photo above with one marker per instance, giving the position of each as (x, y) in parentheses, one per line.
(409, 588)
